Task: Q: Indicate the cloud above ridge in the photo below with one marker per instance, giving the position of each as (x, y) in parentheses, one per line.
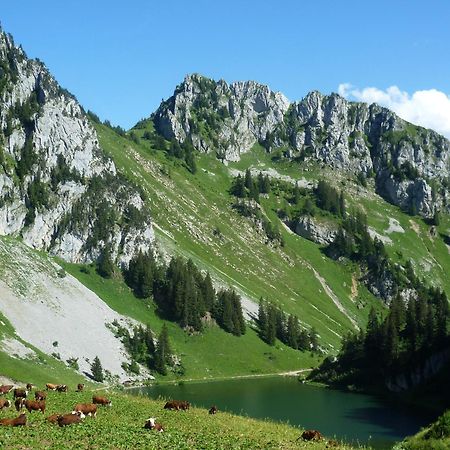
(428, 108)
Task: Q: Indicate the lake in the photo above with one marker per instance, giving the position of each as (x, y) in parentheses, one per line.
(352, 417)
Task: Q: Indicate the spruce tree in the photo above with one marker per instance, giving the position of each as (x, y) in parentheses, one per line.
(97, 370)
(105, 265)
(238, 187)
(163, 352)
(248, 180)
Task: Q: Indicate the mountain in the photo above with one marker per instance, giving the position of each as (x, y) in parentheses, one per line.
(58, 189)
(309, 231)
(411, 165)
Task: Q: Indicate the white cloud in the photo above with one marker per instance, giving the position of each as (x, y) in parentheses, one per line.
(428, 108)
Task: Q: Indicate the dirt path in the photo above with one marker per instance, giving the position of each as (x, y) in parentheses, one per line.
(291, 373)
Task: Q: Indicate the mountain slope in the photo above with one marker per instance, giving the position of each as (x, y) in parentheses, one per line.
(53, 172)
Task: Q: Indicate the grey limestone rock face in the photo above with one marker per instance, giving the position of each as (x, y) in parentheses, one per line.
(215, 116)
(311, 229)
(50, 161)
(411, 165)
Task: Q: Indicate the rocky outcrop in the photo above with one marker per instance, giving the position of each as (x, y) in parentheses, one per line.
(411, 165)
(58, 189)
(419, 374)
(215, 116)
(313, 230)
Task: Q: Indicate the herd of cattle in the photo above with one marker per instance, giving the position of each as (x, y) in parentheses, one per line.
(81, 410)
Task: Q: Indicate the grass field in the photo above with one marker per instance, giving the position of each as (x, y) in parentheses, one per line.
(121, 427)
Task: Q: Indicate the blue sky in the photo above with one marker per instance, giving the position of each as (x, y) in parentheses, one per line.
(121, 58)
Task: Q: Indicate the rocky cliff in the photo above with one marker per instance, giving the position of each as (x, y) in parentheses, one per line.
(410, 164)
(215, 116)
(58, 190)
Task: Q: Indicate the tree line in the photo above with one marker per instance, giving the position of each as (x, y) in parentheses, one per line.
(274, 324)
(409, 334)
(249, 186)
(183, 294)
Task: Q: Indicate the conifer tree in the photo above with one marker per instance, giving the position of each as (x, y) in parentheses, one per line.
(248, 180)
(238, 188)
(97, 370)
(105, 266)
(163, 352)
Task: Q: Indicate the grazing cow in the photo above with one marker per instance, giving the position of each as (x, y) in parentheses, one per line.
(5, 388)
(18, 403)
(51, 386)
(213, 409)
(99, 400)
(40, 395)
(151, 424)
(33, 405)
(53, 418)
(20, 393)
(177, 405)
(311, 435)
(62, 388)
(17, 422)
(4, 403)
(70, 419)
(80, 387)
(87, 409)
(29, 386)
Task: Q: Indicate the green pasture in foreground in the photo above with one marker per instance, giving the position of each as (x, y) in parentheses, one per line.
(121, 426)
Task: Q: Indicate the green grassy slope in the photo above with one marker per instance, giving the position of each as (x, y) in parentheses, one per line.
(212, 354)
(434, 437)
(193, 217)
(121, 426)
(188, 210)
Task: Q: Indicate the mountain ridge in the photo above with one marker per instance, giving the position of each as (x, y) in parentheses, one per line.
(410, 164)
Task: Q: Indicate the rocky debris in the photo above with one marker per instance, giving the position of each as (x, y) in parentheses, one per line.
(375, 235)
(394, 226)
(34, 293)
(50, 161)
(313, 230)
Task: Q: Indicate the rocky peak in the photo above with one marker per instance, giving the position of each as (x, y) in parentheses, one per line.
(52, 169)
(215, 116)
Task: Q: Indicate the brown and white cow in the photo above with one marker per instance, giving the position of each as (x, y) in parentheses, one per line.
(87, 409)
(34, 405)
(53, 418)
(177, 405)
(151, 424)
(40, 395)
(80, 387)
(311, 435)
(5, 388)
(70, 419)
(4, 403)
(99, 400)
(51, 386)
(20, 393)
(16, 422)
